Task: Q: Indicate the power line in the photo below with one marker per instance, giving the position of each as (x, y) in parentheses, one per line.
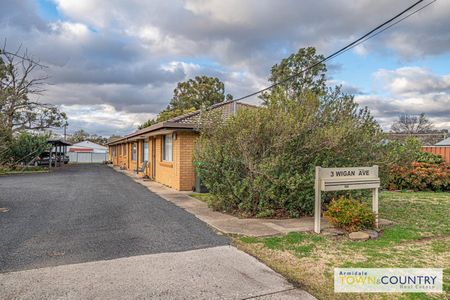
(365, 37)
(393, 24)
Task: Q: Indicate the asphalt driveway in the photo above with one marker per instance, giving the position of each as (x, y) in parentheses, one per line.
(88, 213)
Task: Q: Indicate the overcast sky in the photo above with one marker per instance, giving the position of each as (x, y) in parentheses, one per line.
(114, 63)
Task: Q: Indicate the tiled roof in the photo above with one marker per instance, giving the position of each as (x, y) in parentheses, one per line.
(189, 120)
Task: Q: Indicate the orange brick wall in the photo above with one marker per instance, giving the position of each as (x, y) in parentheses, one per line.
(167, 172)
(187, 172)
(178, 174)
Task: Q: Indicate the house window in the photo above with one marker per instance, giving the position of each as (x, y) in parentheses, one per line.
(133, 151)
(119, 150)
(145, 151)
(114, 151)
(167, 147)
(124, 149)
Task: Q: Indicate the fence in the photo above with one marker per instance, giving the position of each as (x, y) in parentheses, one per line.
(443, 151)
(87, 157)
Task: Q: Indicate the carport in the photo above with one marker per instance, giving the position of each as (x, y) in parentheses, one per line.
(59, 146)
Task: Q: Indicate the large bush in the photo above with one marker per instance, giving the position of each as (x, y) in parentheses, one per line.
(407, 167)
(420, 176)
(23, 148)
(261, 161)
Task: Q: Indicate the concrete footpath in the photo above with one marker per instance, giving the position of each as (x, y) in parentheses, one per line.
(224, 222)
(213, 273)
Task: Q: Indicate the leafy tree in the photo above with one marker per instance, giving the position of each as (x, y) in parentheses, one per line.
(18, 81)
(114, 137)
(166, 115)
(295, 81)
(78, 136)
(98, 139)
(81, 135)
(412, 124)
(190, 95)
(198, 92)
(26, 146)
(261, 161)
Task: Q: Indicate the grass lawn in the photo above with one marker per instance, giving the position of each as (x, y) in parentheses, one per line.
(420, 238)
(205, 197)
(29, 169)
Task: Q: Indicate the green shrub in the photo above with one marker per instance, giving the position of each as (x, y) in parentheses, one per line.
(349, 214)
(398, 153)
(428, 157)
(25, 147)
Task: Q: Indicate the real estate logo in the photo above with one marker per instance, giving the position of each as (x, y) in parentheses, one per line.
(385, 280)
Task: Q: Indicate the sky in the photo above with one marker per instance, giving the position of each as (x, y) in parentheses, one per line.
(112, 64)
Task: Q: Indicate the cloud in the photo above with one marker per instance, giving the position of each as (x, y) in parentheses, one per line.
(129, 55)
(410, 80)
(103, 119)
(411, 90)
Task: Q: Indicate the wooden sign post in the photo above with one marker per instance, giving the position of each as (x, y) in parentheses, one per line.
(342, 179)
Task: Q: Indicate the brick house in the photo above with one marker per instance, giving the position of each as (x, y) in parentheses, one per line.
(166, 148)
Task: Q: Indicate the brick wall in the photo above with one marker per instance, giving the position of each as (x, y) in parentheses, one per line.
(187, 172)
(178, 174)
(167, 172)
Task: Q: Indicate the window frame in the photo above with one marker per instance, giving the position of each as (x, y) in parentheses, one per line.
(133, 151)
(165, 154)
(145, 151)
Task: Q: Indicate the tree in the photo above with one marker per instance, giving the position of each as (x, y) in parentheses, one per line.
(81, 135)
(26, 146)
(412, 124)
(198, 92)
(261, 161)
(295, 81)
(18, 81)
(98, 139)
(166, 115)
(190, 95)
(114, 137)
(78, 136)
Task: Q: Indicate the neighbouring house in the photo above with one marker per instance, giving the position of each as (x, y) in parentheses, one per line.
(441, 148)
(427, 139)
(87, 152)
(164, 151)
(445, 142)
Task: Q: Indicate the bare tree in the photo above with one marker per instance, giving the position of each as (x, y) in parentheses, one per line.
(412, 124)
(18, 81)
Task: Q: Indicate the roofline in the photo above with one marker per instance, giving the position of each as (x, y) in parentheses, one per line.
(155, 127)
(58, 142)
(173, 123)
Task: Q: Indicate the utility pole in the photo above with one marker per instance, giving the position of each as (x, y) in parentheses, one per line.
(65, 130)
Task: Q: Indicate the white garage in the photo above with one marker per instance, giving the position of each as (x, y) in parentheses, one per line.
(87, 152)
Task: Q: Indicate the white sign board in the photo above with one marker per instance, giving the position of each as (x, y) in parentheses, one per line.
(341, 179)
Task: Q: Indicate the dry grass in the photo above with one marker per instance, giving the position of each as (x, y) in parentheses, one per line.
(420, 239)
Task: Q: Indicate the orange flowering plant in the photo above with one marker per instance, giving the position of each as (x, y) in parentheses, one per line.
(420, 176)
(349, 214)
